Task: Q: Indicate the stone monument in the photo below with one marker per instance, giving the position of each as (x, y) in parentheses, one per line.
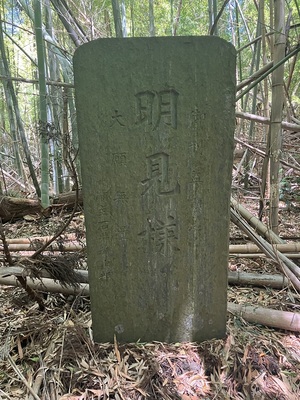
(156, 121)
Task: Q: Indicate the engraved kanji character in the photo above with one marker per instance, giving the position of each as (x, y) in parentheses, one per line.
(158, 179)
(144, 101)
(121, 199)
(116, 118)
(162, 234)
(167, 107)
(120, 159)
(165, 235)
(156, 107)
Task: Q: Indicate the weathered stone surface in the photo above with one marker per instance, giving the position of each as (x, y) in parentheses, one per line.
(156, 121)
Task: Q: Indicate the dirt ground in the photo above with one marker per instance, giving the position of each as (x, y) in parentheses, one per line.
(51, 355)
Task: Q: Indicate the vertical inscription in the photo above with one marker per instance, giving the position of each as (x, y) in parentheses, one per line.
(120, 199)
(160, 234)
(194, 186)
(195, 117)
(104, 234)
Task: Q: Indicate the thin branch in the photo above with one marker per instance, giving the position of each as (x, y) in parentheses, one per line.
(263, 120)
(22, 377)
(63, 84)
(213, 28)
(63, 228)
(22, 281)
(263, 154)
(262, 77)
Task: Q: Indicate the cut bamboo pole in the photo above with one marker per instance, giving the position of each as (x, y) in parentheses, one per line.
(53, 247)
(42, 239)
(76, 246)
(48, 285)
(265, 316)
(275, 281)
(263, 120)
(253, 248)
(261, 255)
(240, 250)
(259, 315)
(25, 272)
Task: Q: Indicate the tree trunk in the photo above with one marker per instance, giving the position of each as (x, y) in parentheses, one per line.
(12, 208)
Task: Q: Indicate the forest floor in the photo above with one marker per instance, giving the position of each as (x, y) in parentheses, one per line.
(50, 355)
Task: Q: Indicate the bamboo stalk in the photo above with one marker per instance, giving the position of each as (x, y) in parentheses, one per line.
(259, 315)
(237, 249)
(261, 255)
(53, 247)
(263, 120)
(256, 223)
(47, 285)
(275, 132)
(275, 281)
(290, 269)
(44, 142)
(292, 250)
(43, 239)
(253, 248)
(265, 316)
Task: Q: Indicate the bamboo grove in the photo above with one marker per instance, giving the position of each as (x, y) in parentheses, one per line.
(38, 133)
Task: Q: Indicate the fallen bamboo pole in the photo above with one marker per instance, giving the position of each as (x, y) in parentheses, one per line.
(253, 248)
(25, 272)
(265, 316)
(76, 246)
(261, 255)
(263, 120)
(48, 285)
(275, 281)
(53, 247)
(42, 239)
(290, 269)
(255, 223)
(259, 315)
